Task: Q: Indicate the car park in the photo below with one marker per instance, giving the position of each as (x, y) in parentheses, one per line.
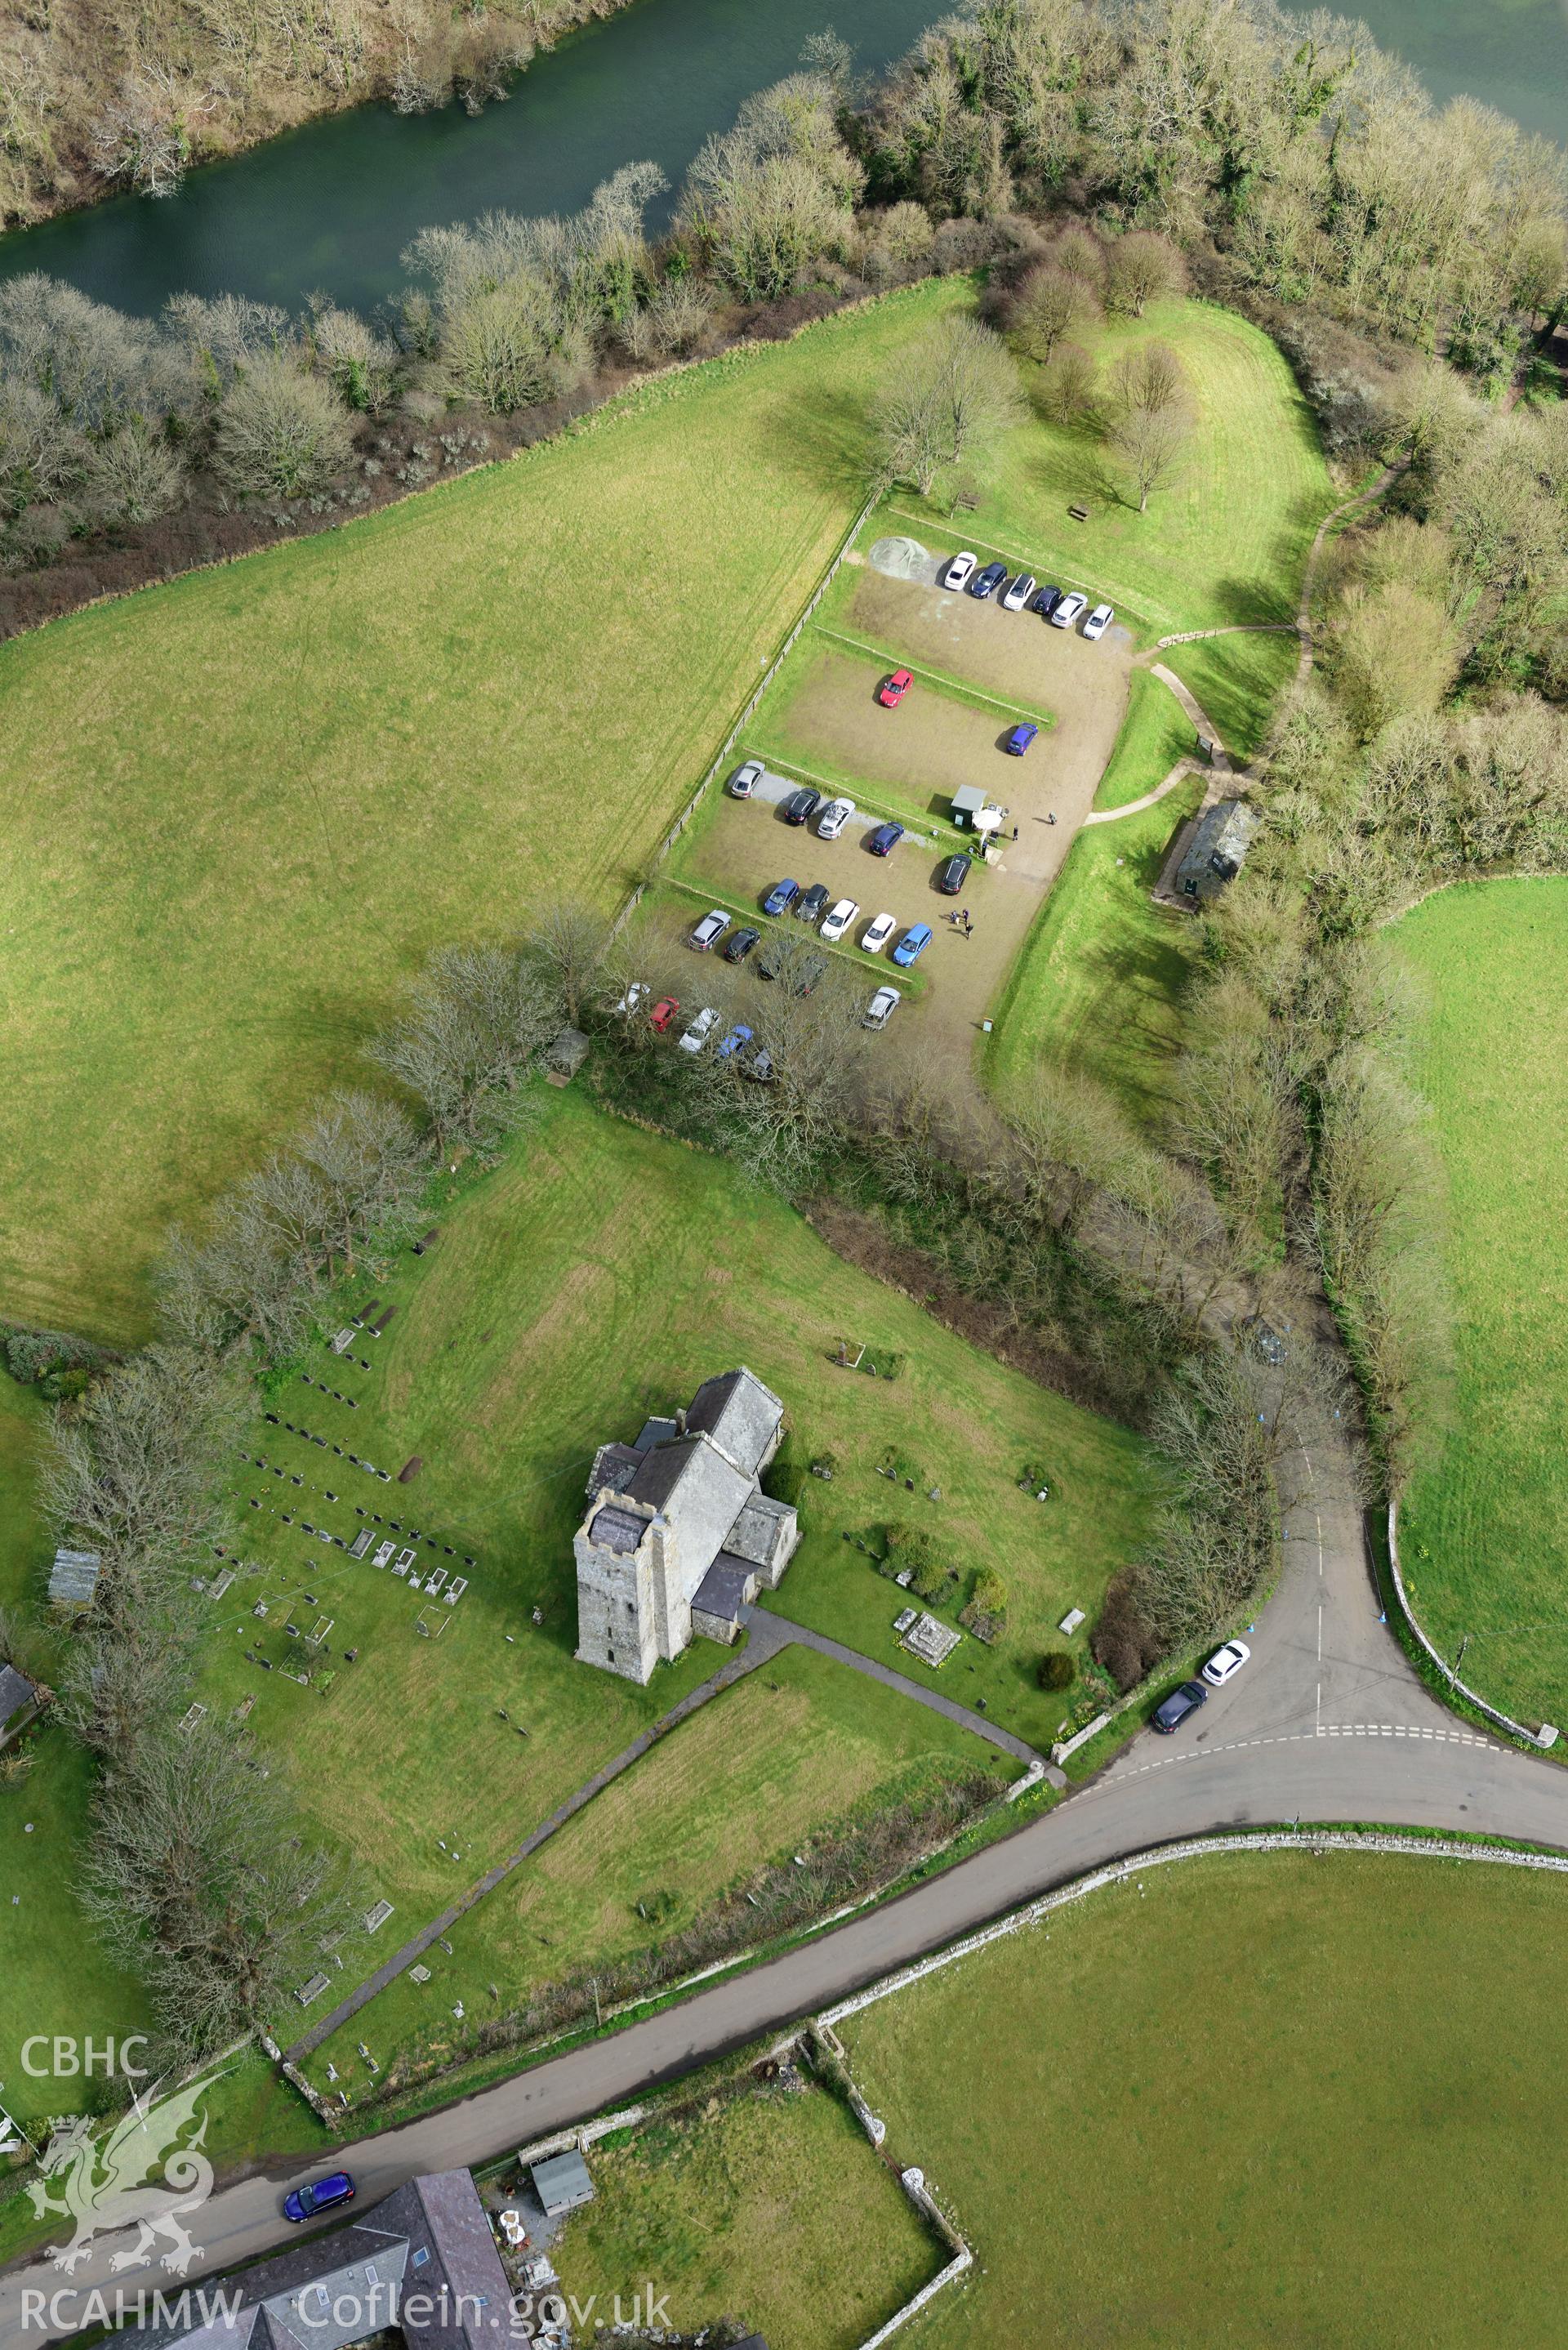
(877, 933)
(881, 1008)
(884, 839)
(708, 931)
(912, 945)
(739, 1035)
(953, 873)
(892, 690)
(746, 779)
(837, 919)
(663, 1013)
(802, 805)
(739, 944)
(1068, 609)
(1098, 621)
(781, 896)
(810, 903)
(632, 1001)
(1046, 603)
(1226, 1663)
(1174, 1710)
(322, 2195)
(701, 1028)
(833, 819)
(1014, 598)
(1020, 739)
(988, 581)
(958, 570)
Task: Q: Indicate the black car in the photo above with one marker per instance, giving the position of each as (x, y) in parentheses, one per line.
(738, 945)
(809, 972)
(986, 583)
(801, 806)
(808, 906)
(1046, 603)
(884, 839)
(953, 873)
(1173, 1711)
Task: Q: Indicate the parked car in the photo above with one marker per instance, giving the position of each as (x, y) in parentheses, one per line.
(877, 934)
(810, 902)
(833, 818)
(881, 1008)
(1020, 739)
(1046, 603)
(635, 997)
(953, 873)
(322, 2195)
(770, 962)
(746, 779)
(1068, 609)
(1098, 621)
(709, 931)
(1015, 597)
(740, 1034)
(757, 1063)
(1226, 1662)
(837, 919)
(912, 945)
(884, 839)
(808, 971)
(892, 690)
(781, 896)
(1174, 1710)
(663, 1013)
(988, 581)
(802, 805)
(739, 943)
(958, 570)
(701, 1028)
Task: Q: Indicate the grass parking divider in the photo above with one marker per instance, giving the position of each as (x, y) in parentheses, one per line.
(941, 678)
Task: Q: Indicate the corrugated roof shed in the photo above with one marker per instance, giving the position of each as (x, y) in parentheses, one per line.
(73, 1579)
(562, 2183)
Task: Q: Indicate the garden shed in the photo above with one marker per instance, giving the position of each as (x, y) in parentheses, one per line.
(562, 2183)
(1217, 850)
(73, 1578)
(565, 1056)
(18, 1702)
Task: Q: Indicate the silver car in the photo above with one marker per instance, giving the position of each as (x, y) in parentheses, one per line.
(833, 818)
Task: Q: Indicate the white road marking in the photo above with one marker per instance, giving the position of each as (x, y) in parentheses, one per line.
(1325, 1730)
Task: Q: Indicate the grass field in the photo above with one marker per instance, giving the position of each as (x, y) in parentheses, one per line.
(1264, 2101)
(1484, 1527)
(773, 2210)
(1099, 983)
(1155, 733)
(1237, 681)
(247, 805)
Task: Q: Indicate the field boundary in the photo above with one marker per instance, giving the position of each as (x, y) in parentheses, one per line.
(1540, 1739)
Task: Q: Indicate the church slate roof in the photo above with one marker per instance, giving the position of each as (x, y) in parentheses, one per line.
(759, 1529)
(699, 1491)
(739, 1414)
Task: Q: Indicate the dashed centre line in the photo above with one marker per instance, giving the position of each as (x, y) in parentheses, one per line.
(1327, 1730)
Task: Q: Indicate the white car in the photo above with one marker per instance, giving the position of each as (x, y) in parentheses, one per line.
(881, 1008)
(837, 919)
(1068, 611)
(958, 570)
(746, 779)
(710, 930)
(1018, 595)
(833, 818)
(638, 992)
(1225, 1662)
(878, 933)
(1098, 621)
(701, 1028)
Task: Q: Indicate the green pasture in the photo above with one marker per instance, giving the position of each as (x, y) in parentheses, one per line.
(1484, 1525)
(247, 805)
(773, 2209)
(1099, 982)
(1255, 2099)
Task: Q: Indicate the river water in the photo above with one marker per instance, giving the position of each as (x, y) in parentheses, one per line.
(331, 206)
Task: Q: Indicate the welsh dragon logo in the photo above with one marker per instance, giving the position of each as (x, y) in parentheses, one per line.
(144, 2173)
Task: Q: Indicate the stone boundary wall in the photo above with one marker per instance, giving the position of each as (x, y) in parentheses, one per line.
(1540, 1739)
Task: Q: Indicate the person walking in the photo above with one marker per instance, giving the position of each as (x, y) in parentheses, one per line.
(1051, 818)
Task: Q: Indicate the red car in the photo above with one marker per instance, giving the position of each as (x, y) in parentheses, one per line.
(663, 1013)
(893, 690)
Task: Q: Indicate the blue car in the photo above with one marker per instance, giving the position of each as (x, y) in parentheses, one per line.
(781, 896)
(1020, 739)
(913, 944)
(740, 1034)
(305, 2202)
(988, 581)
(884, 839)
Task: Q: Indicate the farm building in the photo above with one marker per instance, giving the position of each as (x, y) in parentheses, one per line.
(73, 1578)
(680, 1537)
(1218, 849)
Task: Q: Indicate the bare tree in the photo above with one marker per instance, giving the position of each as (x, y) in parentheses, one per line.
(1068, 387)
(954, 393)
(370, 1165)
(1049, 304)
(280, 432)
(480, 1017)
(569, 941)
(1141, 268)
(1152, 442)
(133, 1472)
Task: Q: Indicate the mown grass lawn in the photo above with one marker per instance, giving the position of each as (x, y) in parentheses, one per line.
(1484, 1526)
(773, 2209)
(1237, 681)
(1099, 984)
(1155, 733)
(1263, 2100)
(245, 805)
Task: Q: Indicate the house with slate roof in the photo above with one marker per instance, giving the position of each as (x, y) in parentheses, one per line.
(680, 1537)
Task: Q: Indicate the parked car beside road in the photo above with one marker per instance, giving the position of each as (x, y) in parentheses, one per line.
(1173, 1712)
(1098, 621)
(833, 819)
(1015, 597)
(837, 919)
(708, 931)
(322, 2195)
(746, 779)
(877, 933)
(953, 873)
(957, 571)
(912, 945)
(1066, 612)
(1226, 1662)
(884, 839)
(801, 805)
